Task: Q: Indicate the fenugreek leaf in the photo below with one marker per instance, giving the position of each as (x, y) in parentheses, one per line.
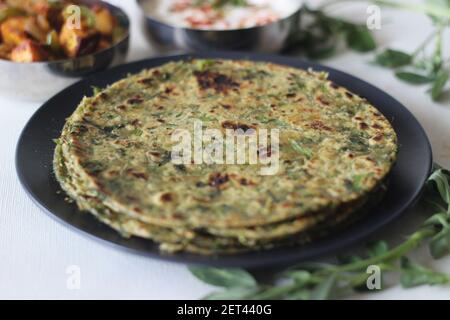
(226, 278)
(324, 281)
(438, 220)
(299, 276)
(445, 4)
(414, 275)
(359, 38)
(440, 179)
(440, 244)
(96, 90)
(393, 58)
(439, 85)
(413, 78)
(377, 249)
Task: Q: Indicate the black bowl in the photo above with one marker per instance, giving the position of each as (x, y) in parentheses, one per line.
(38, 81)
(269, 38)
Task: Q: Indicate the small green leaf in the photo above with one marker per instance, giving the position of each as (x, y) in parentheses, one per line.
(377, 249)
(360, 38)
(445, 4)
(440, 178)
(413, 78)
(393, 59)
(324, 290)
(96, 90)
(204, 64)
(438, 85)
(237, 293)
(300, 277)
(440, 244)
(226, 278)
(437, 220)
(414, 275)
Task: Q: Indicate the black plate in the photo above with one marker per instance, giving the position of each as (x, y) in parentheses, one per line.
(35, 152)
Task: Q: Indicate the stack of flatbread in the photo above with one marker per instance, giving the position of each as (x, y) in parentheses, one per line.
(331, 158)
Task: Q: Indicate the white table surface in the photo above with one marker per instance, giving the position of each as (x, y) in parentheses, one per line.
(35, 251)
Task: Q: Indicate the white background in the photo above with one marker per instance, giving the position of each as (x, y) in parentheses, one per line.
(35, 250)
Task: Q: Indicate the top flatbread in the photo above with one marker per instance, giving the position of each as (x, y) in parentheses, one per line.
(335, 147)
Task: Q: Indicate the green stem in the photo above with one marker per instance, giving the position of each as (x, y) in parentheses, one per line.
(437, 11)
(275, 292)
(424, 44)
(411, 243)
(437, 58)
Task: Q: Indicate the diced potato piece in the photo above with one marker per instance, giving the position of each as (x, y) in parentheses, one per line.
(104, 20)
(5, 51)
(33, 30)
(13, 30)
(43, 23)
(27, 51)
(78, 41)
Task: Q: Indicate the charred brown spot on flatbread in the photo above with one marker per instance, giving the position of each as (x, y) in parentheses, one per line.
(137, 174)
(213, 80)
(218, 179)
(135, 100)
(146, 81)
(237, 125)
(166, 197)
(319, 125)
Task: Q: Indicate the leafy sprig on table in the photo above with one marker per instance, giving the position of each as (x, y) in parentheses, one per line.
(325, 281)
(419, 67)
(320, 38)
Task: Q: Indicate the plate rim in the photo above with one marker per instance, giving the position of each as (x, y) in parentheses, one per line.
(265, 259)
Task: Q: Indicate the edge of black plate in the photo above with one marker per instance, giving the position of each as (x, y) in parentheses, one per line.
(284, 256)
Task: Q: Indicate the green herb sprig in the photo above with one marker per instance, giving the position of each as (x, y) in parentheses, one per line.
(419, 67)
(320, 39)
(325, 281)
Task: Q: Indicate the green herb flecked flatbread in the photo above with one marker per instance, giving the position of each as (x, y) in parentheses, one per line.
(335, 152)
